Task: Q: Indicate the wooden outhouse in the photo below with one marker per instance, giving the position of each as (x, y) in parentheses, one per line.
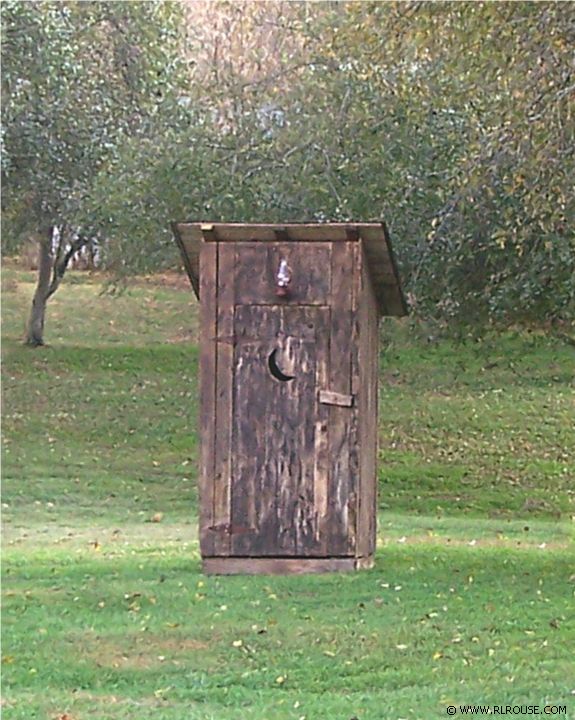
(288, 383)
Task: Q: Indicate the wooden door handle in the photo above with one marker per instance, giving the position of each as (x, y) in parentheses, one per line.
(328, 397)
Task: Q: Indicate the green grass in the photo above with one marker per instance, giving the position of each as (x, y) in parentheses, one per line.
(130, 629)
(107, 616)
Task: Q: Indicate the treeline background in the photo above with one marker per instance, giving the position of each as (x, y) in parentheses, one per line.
(454, 122)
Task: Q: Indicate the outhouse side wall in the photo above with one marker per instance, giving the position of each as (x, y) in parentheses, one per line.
(367, 318)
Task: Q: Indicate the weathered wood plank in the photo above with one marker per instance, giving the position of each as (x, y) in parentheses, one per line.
(321, 473)
(341, 483)
(281, 234)
(281, 566)
(328, 397)
(364, 418)
(356, 438)
(207, 415)
(322, 460)
(370, 481)
(341, 294)
(383, 269)
(367, 406)
(208, 232)
(316, 359)
(224, 400)
(189, 258)
(258, 266)
(255, 495)
(296, 512)
(295, 232)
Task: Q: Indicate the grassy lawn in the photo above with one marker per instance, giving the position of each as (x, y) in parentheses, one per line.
(107, 616)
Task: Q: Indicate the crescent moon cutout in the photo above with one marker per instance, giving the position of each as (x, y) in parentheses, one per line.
(274, 369)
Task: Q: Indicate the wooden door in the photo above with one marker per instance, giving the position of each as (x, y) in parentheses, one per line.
(280, 363)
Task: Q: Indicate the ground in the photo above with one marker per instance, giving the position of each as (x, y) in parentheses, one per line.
(106, 614)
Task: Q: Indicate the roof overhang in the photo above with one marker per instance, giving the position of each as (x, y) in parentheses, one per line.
(381, 263)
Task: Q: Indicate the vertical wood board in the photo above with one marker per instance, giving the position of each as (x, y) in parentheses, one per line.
(224, 379)
(356, 428)
(341, 483)
(207, 415)
(368, 345)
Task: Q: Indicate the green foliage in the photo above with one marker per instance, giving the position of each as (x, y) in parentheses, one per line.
(79, 79)
(452, 121)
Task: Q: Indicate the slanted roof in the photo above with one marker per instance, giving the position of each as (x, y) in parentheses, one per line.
(380, 260)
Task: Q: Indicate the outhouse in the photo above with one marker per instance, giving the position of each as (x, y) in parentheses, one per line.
(288, 386)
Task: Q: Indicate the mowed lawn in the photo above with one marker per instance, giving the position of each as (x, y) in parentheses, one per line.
(106, 614)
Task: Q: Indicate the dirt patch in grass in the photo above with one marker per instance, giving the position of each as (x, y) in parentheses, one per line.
(90, 701)
(185, 336)
(141, 652)
(10, 285)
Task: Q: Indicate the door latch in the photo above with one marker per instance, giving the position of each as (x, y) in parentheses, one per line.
(328, 397)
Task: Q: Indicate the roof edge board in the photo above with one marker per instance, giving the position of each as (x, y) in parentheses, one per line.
(194, 279)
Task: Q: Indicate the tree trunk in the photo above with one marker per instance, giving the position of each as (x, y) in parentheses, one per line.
(35, 329)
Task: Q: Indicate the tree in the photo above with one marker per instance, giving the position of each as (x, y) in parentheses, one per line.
(79, 79)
